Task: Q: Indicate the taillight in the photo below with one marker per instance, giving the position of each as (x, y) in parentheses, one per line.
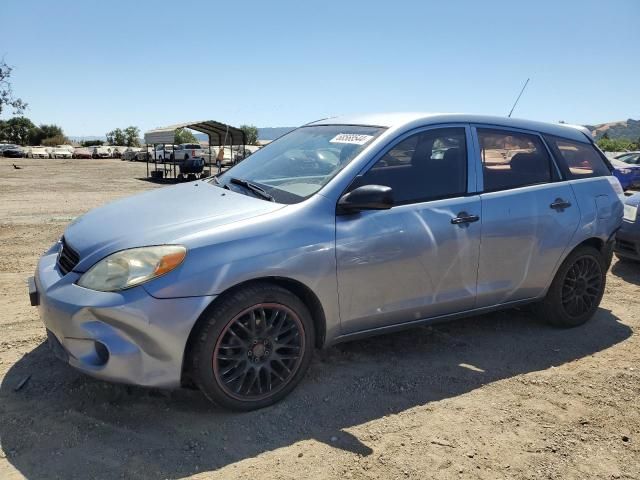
(617, 187)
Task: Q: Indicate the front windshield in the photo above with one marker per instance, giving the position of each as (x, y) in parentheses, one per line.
(300, 163)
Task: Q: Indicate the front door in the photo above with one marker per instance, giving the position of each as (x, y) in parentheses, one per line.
(528, 216)
(419, 259)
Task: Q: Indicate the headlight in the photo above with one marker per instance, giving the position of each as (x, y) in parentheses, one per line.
(625, 171)
(132, 267)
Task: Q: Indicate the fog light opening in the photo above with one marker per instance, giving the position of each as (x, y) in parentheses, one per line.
(101, 352)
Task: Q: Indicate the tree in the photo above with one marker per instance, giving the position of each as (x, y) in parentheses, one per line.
(45, 131)
(132, 136)
(7, 99)
(55, 140)
(184, 136)
(18, 130)
(615, 144)
(116, 137)
(92, 143)
(251, 132)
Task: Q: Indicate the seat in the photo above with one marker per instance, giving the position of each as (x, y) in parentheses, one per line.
(528, 169)
(441, 177)
(347, 153)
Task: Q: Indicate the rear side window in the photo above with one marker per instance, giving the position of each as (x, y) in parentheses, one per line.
(512, 159)
(580, 160)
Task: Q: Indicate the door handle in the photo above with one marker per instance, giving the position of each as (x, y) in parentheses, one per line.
(560, 204)
(464, 217)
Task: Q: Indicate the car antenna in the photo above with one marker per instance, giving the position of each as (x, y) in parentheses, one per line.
(516, 102)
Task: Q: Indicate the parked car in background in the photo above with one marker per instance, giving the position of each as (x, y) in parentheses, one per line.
(102, 151)
(186, 151)
(342, 228)
(7, 146)
(227, 155)
(118, 150)
(622, 155)
(13, 151)
(70, 148)
(163, 152)
(57, 152)
(628, 174)
(627, 246)
(144, 154)
(632, 158)
(82, 152)
(38, 152)
(130, 153)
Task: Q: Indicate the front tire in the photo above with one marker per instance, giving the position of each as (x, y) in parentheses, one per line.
(253, 347)
(576, 290)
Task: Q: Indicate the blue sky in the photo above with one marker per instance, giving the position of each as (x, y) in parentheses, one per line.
(91, 66)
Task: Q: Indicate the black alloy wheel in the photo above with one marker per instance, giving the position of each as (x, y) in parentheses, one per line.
(582, 286)
(259, 351)
(577, 288)
(252, 346)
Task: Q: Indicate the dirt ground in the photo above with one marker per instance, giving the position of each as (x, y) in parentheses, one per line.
(494, 396)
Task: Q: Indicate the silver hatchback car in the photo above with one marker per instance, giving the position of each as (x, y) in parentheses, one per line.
(342, 228)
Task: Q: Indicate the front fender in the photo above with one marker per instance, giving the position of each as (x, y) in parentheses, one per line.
(296, 243)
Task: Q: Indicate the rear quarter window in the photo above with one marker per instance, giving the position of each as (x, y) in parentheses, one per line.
(578, 160)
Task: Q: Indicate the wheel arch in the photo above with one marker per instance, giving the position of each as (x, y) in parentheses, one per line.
(302, 291)
(595, 242)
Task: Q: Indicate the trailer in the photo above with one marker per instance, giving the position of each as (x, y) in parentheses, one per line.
(171, 169)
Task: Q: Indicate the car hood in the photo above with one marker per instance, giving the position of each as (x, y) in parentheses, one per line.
(160, 216)
(619, 165)
(633, 200)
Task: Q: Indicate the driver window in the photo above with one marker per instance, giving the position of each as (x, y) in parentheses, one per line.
(425, 166)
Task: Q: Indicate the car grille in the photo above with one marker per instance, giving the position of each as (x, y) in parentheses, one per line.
(67, 258)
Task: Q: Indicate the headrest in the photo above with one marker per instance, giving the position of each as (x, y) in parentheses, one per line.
(526, 163)
(347, 153)
(451, 155)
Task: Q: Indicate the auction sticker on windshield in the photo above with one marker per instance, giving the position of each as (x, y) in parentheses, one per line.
(353, 138)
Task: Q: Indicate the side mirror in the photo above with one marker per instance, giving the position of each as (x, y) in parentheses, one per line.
(367, 197)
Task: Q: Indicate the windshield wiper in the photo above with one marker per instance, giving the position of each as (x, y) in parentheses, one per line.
(252, 187)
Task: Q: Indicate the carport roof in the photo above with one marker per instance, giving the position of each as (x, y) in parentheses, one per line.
(216, 131)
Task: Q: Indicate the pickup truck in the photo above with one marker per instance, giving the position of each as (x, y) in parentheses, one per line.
(185, 151)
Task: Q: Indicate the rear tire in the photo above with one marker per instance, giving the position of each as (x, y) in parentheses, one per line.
(252, 348)
(576, 290)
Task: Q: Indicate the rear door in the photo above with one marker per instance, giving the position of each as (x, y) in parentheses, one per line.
(420, 258)
(529, 215)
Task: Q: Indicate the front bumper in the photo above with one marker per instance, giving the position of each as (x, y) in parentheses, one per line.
(628, 240)
(128, 336)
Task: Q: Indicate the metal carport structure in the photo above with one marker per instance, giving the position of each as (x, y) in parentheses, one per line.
(219, 134)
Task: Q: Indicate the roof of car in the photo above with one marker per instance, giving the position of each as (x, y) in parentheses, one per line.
(399, 119)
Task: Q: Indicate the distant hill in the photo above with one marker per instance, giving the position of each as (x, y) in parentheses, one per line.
(627, 129)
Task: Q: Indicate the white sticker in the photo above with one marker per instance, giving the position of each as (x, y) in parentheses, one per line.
(353, 138)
